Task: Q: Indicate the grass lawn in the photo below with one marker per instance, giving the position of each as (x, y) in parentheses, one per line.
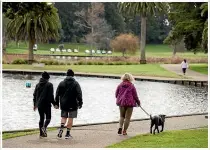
(197, 138)
(152, 50)
(138, 70)
(8, 135)
(201, 68)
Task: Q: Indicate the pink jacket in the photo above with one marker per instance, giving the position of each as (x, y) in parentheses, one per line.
(126, 95)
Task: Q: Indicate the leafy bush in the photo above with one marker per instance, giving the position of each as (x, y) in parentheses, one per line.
(101, 63)
(55, 63)
(19, 61)
(81, 63)
(110, 63)
(125, 43)
(61, 63)
(61, 47)
(129, 63)
(90, 63)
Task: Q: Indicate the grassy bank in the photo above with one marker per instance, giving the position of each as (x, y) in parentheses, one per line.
(201, 68)
(154, 70)
(197, 138)
(152, 50)
(8, 135)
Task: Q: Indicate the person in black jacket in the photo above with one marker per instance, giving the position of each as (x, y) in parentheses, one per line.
(69, 94)
(43, 97)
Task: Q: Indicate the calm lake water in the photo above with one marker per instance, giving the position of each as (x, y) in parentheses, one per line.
(99, 100)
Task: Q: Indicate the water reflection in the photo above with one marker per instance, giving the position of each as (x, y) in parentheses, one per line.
(99, 101)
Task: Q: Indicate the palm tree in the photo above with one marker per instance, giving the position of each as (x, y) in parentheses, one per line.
(144, 9)
(204, 8)
(38, 24)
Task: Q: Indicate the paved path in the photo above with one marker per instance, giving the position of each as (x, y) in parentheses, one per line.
(176, 68)
(99, 136)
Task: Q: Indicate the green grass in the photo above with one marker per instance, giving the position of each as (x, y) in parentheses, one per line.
(197, 138)
(8, 135)
(201, 68)
(138, 70)
(152, 50)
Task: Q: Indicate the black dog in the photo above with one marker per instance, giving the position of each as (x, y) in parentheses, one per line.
(157, 121)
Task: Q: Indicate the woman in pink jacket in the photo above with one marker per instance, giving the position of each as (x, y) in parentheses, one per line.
(127, 98)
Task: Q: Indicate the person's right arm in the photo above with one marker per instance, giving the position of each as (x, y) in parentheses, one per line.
(135, 95)
(51, 92)
(117, 91)
(57, 95)
(181, 64)
(79, 95)
(34, 97)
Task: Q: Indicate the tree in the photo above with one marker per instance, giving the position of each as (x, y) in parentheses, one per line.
(70, 31)
(4, 39)
(173, 39)
(35, 22)
(157, 27)
(204, 12)
(125, 43)
(114, 17)
(93, 19)
(144, 9)
(187, 23)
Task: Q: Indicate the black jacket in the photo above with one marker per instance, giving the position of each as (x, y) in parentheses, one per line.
(69, 94)
(43, 94)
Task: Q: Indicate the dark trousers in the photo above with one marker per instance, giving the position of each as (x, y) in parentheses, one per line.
(44, 112)
(184, 70)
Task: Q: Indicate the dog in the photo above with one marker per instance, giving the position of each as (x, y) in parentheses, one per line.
(157, 120)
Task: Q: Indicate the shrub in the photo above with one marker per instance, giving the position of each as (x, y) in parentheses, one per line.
(44, 61)
(95, 63)
(101, 63)
(48, 62)
(125, 43)
(89, 63)
(61, 63)
(55, 63)
(129, 63)
(119, 63)
(19, 61)
(110, 63)
(61, 47)
(81, 63)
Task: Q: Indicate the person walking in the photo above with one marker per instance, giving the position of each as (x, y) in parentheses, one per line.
(69, 97)
(126, 99)
(184, 66)
(43, 98)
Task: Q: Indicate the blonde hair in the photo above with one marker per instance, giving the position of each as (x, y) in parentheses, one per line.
(127, 77)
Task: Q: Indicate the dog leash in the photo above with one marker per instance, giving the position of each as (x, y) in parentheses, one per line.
(145, 111)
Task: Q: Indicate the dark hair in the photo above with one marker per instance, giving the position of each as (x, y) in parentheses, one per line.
(45, 75)
(185, 60)
(70, 73)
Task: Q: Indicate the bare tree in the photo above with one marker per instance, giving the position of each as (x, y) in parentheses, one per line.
(93, 19)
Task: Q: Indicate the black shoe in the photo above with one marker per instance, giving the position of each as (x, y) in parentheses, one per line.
(68, 136)
(44, 131)
(119, 131)
(60, 133)
(42, 136)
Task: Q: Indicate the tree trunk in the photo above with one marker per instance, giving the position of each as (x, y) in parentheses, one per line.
(174, 51)
(143, 39)
(31, 54)
(91, 39)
